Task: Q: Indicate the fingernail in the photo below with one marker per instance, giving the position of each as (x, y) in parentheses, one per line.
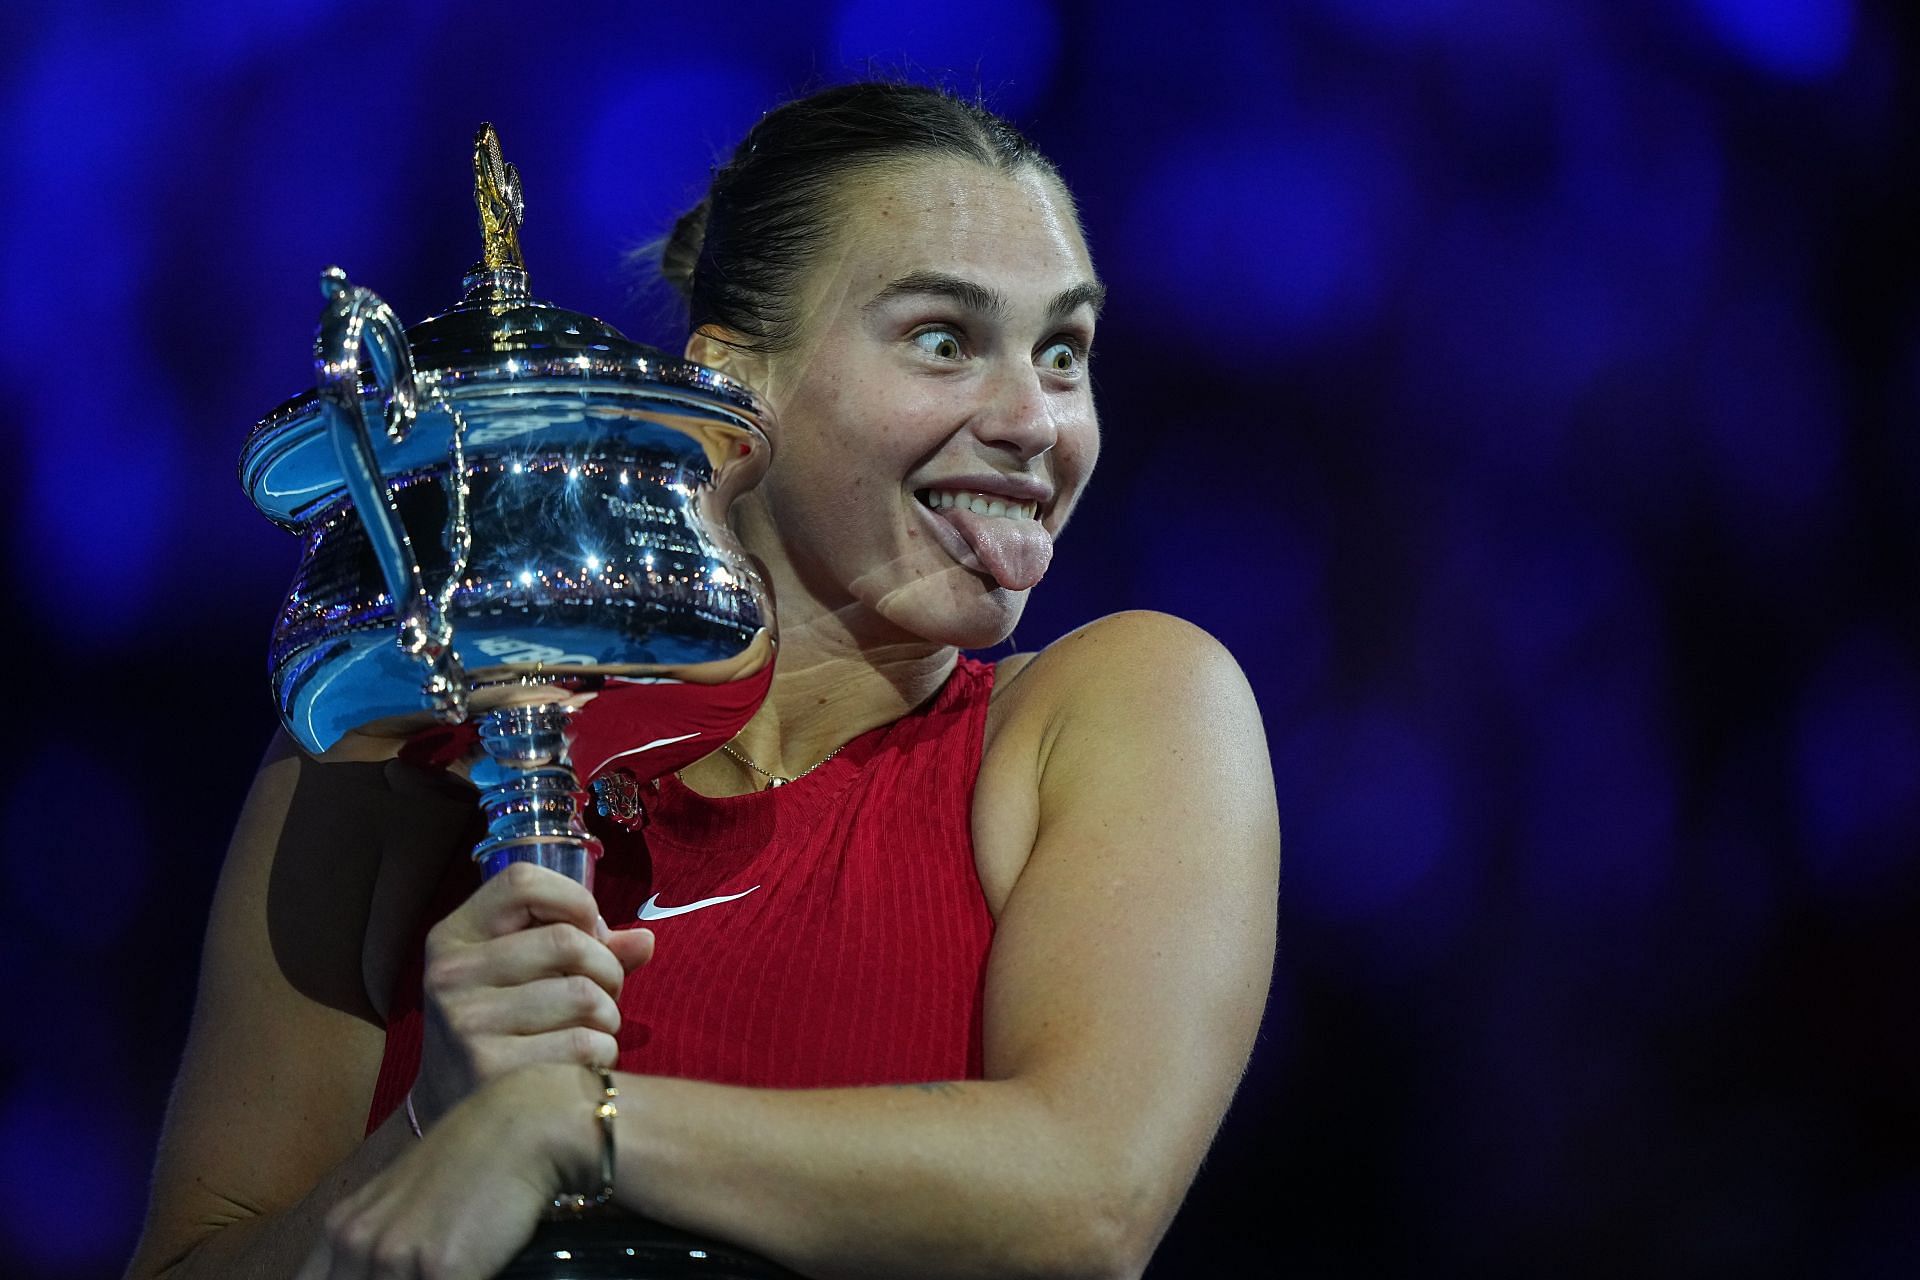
(600, 929)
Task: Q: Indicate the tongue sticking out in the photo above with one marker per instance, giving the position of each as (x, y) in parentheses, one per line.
(1015, 551)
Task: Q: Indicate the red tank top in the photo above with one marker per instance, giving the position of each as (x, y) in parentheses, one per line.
(828, 932)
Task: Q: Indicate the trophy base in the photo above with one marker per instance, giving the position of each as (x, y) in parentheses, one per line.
(623, 1246)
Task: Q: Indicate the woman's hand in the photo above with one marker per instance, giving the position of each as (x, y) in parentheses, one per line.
(524, 972)
(465, 1199)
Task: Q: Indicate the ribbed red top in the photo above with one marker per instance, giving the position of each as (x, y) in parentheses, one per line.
(855, 950)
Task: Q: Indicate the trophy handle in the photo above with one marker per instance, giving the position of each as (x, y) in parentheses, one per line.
(357, 317)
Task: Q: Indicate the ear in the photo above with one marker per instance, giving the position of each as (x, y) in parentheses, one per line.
(723, 349)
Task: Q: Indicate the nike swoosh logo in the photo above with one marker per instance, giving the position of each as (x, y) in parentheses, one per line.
(652, 910)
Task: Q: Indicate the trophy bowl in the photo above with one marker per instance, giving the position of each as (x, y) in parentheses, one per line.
(565, 508)
(546, 504)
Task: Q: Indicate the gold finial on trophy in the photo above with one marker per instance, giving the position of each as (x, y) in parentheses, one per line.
(496, 190)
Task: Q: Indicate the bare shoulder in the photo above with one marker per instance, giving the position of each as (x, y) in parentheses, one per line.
(1117, 705)
(1123, 664)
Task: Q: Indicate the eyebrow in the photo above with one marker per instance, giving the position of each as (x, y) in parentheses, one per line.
(978, 298)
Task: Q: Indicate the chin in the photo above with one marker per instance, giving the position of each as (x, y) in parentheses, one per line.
(983, 636)
(977, 616)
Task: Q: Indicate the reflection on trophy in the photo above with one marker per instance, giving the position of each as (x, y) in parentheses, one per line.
(545, 505)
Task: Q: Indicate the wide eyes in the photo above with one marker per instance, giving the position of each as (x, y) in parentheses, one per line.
(939, 343)
(1064, 357)
(1060, 357)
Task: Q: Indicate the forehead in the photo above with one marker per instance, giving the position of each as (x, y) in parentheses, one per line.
(1015, 232)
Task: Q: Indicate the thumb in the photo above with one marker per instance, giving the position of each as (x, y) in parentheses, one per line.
(631, 947)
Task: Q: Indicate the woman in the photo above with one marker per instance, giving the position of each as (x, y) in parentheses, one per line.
(1039, 893)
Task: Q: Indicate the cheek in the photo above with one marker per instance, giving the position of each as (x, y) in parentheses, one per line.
(826, 484)
(1078, 450)
(869, 437)
(1086, 442)
(832, 417)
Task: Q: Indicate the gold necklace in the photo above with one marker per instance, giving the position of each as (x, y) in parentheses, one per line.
(774, 779)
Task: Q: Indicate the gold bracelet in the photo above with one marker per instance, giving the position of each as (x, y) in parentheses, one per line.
(607, 1110)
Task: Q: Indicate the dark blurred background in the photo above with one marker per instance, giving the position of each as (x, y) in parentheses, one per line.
(1524, 391)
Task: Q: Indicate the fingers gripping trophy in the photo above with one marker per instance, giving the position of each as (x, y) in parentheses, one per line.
(541, 513)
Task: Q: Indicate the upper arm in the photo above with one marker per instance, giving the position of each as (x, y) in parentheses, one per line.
(283, 1049)
(1132, 958)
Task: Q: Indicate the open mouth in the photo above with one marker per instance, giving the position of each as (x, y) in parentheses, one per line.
(978, 503)
(996, 535)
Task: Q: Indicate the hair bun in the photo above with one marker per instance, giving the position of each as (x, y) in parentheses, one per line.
(680, 253)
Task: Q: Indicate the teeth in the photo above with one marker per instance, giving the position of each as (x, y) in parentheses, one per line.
(978, 503)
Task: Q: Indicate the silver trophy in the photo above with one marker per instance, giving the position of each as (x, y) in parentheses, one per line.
(545, 504)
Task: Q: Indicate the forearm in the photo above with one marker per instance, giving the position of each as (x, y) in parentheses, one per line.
(232, 1239)
(952, 1179)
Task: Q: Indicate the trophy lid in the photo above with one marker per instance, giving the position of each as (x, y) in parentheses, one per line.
(498, 339)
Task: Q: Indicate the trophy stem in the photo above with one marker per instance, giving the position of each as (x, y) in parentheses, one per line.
(530, 795)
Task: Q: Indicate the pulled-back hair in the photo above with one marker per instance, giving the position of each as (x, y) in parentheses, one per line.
(737, 257)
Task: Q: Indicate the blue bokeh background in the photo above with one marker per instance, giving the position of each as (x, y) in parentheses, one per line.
(1525, 392)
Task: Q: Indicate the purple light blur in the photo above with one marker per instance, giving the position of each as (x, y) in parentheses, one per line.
(1004, 49)
(1795, 39)
(1857, 757)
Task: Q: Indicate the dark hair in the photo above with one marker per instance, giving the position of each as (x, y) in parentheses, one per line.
(737, 256)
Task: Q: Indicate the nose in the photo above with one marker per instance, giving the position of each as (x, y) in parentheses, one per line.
(1019, 415)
